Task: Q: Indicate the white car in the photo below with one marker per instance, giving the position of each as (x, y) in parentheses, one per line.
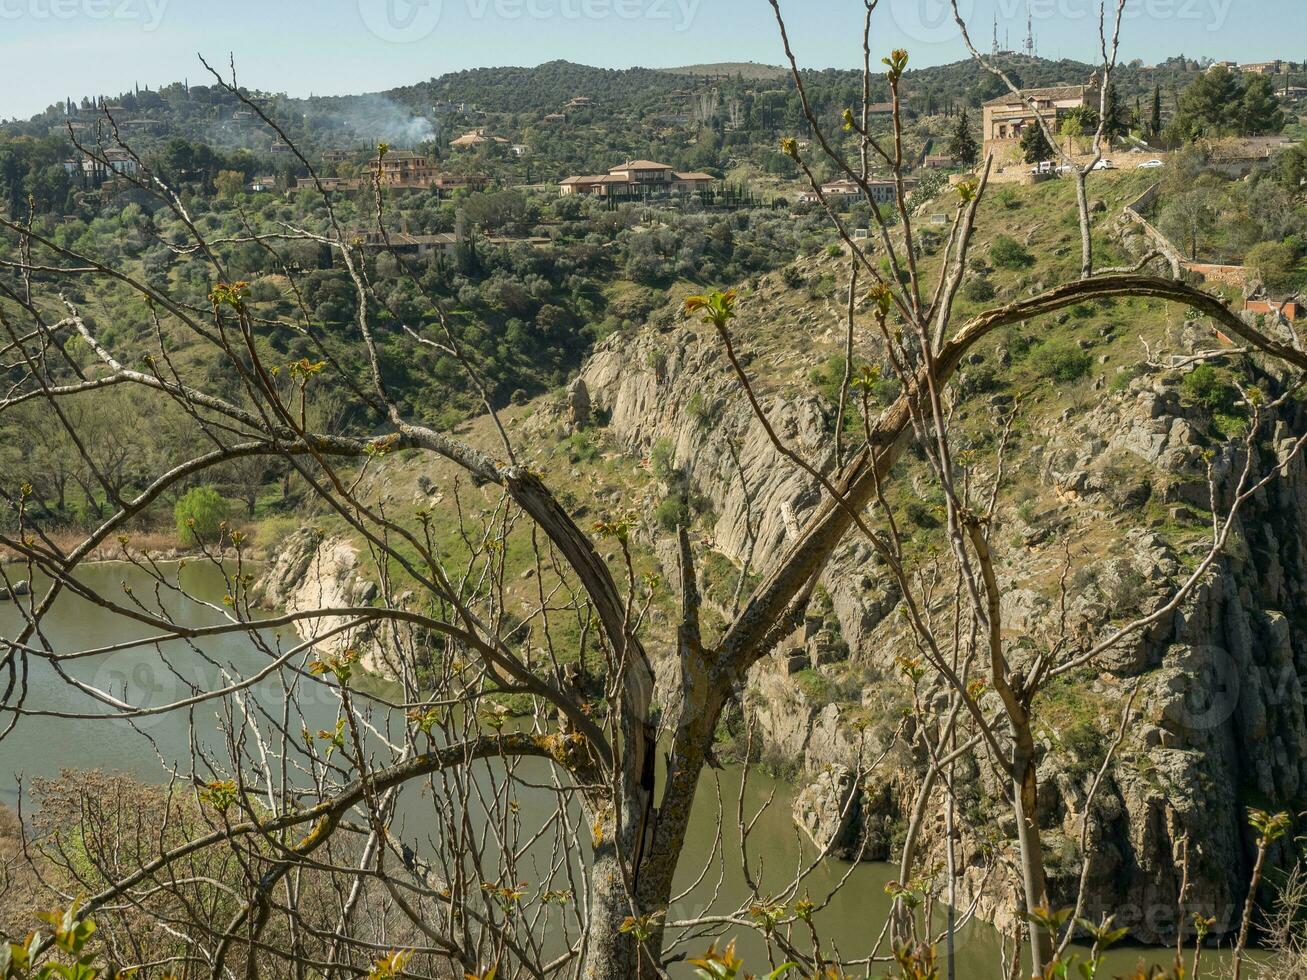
(1150, 165)
(1104, 165)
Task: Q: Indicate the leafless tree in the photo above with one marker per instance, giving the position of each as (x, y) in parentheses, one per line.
(318, 872)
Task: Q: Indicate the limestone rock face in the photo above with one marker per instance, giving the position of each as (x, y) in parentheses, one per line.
(827, 810)
(311, 572)
(1220, 709)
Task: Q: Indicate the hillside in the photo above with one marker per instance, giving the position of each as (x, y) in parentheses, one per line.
(1109, 432)
(1105, 463)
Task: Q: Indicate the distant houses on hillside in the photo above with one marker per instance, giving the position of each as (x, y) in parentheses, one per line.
(635, 178)
(882, 191)
(474, 138)
(1241, 156)
(102, 164)
(400, 170)
(1252, 68)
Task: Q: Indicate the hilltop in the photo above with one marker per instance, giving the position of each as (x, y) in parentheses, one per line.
(751, 70)
(435, 108)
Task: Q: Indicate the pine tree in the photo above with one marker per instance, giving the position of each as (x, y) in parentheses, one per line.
(1156, 123)
(1261, 112)
(962, 147)
(1211, 106)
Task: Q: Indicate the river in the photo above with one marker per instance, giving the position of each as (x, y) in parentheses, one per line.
(42, 746)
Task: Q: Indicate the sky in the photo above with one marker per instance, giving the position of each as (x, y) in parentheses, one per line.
(50, 49)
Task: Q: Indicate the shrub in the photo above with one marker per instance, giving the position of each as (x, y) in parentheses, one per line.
(1008, 198)
(1208, 388)
(887, 272)
(1061, 361)
(978, 290)
(1275, 263)
(1008, 253)
(978, 379)
(580, 448)
(698, 407)
(923, 514)
(672, 513)
(1084, 746)
(200, 514)
(663, 459)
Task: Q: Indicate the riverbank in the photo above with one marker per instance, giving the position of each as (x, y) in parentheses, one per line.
(159, 546)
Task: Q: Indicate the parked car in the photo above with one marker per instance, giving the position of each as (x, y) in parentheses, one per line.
(1150, 165)
(1045, 167)
(1105, 165)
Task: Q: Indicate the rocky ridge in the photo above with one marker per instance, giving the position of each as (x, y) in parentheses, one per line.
(1122, 473)
(1220, 721)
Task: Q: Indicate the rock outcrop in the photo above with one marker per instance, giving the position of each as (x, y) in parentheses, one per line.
(15, 591)
(1219, 718)
(827, 810)
(313, 572)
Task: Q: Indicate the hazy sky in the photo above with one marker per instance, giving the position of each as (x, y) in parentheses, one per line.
(53, 48)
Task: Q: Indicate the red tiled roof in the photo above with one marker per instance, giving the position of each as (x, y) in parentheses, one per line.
(1053, 94)
(641, 165)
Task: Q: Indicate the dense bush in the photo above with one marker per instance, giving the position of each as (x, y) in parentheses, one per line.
(200, 514)
(1061, 361)
(1275, 263)
(1211, 390)
(1008, 253)
(672, 513)
(978, 290)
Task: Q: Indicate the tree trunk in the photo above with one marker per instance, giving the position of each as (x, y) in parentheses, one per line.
(1025, 795)
(1086, 238)
(610, 953)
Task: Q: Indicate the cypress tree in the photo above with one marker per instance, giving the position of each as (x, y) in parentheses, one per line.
(963, 145)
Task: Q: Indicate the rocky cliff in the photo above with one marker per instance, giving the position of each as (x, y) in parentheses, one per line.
(1219, 722)
(1111, 468)
(310, 571)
